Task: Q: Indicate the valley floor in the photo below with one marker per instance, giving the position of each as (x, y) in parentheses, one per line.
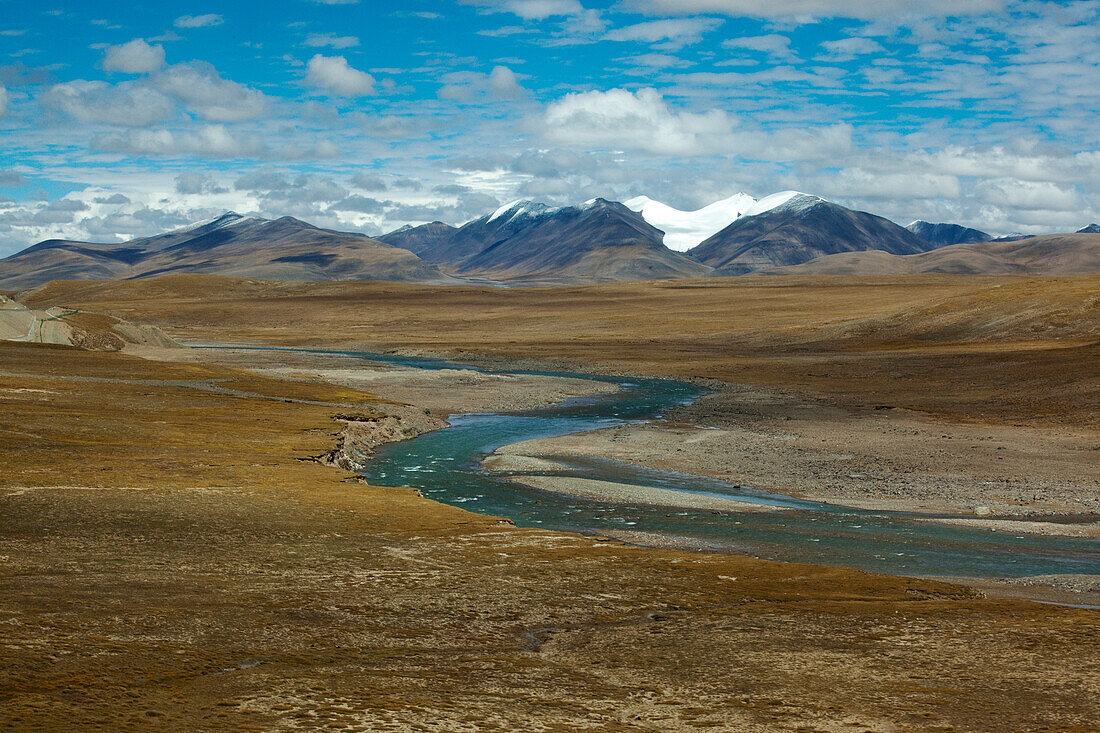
(174, 555)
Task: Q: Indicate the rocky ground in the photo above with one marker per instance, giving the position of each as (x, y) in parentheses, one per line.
(885, 458)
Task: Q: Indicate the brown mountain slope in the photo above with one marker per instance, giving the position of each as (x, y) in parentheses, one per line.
(1054, 254)
(285, 249)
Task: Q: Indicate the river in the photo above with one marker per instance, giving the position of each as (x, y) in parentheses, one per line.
(445, 466)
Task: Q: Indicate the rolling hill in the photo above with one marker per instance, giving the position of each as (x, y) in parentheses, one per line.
(1052, 254)
(284, 249)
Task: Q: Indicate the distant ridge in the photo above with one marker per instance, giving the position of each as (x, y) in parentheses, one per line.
(1051, 254)
(283, 249)
(943, 235)
(527, 242)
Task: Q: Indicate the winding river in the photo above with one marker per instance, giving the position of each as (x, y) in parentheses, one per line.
(445, 465)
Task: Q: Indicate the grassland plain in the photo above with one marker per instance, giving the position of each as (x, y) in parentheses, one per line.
(171, 561)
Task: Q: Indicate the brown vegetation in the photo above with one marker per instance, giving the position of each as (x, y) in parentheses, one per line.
(993, 349)
(168, 560)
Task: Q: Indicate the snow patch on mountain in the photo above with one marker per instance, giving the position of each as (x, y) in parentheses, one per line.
(521, 208)
(685, 229)
(787, 200)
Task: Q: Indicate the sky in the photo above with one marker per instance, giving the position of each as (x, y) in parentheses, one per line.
(123, 119)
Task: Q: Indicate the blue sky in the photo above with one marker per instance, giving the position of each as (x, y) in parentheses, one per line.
(123, 119)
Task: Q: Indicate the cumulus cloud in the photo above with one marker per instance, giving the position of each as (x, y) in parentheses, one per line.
(200, 87)
(320, 40)
(636, 120)
(114, 199)
(195, 182)
(1028, 195)
(465, 86)
(128, 104)
(213, 141)
(335, 75)
(134, 57)
(198, 21)
(815, 8)
(619, 119)
(366, 182)
(503, 82)
(360, 204)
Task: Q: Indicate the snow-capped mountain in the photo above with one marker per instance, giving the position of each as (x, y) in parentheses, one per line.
(529, 241)
(791, 227)
(685, 229)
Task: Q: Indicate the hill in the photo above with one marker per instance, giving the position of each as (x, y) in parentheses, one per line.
(285, 249)
(1051, 254)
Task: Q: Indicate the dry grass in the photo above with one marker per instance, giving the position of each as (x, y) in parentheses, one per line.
(168, 561)
(974, 348)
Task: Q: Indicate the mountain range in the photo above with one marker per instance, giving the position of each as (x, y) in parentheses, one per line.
(277, 249)
(525, 241)
(530, 243)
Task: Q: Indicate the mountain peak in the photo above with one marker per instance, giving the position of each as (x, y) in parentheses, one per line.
(521, 208)
(1090, 229)
(785, 200)
(943, 235)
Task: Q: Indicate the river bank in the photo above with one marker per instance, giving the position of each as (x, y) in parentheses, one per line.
(674, 446)
(175, 557)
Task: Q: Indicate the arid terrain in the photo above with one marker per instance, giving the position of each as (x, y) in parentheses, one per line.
(175, 555)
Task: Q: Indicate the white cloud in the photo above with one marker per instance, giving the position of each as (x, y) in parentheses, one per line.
(321, 40)
(201, 89)
(863, 184)
(129, 104)
(213, 141)
(194, 182)
(815, 8)
(847, 49)
(641, 120)
(675, 31)
(619, 119)
(466, 86)
(503, 83)
(198, 21)
(1028, 195)
(335, 75)
(530, 9)
(134, 57)
(773, 44)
